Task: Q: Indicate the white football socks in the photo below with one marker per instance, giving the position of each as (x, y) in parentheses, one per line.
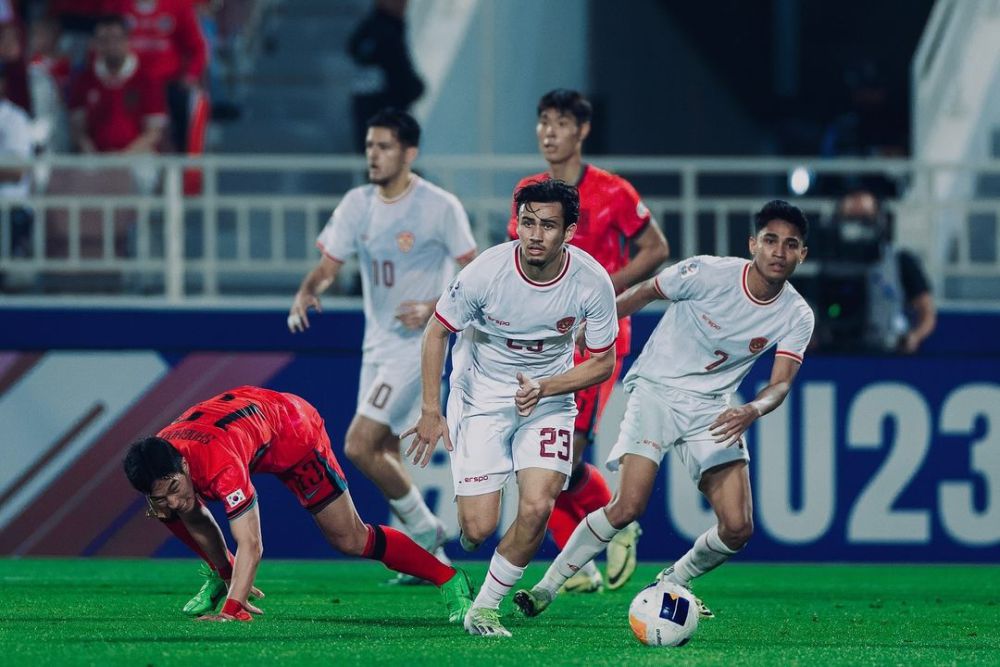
(590, 538)
(708, 553)
(414, 513)
(500, 578)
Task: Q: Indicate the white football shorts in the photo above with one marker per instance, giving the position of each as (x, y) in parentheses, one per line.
(658, 419)
(389, 392)
(492, 441)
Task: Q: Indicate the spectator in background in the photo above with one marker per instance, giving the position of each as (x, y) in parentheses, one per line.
(15, 142)
(115, 106)
(166, 36)
(870, 296)
(48, 78)
(388, 78)
(14, 65)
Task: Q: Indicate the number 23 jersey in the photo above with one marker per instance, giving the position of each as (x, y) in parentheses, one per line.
(715, 329)
(510, 323)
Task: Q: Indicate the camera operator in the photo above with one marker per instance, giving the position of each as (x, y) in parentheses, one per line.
(870, 296)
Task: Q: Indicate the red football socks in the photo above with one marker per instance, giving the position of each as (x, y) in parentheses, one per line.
(398, 552)
(590, 493)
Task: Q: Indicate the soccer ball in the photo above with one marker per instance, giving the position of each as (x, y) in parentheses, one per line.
(663, 614)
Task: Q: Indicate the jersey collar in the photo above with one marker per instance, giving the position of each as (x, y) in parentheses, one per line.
(520, 271)
(749, 295)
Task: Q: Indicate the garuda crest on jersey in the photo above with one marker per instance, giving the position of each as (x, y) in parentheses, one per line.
(757, 344)
(405, 241)
(565, 324)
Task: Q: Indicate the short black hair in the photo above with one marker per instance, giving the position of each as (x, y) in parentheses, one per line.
(151, 459)
(551, 190)
(405, 126)
(779, 209)
(111, 19)
(567, 101)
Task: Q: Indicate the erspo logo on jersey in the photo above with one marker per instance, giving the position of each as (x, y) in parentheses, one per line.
(405, 241)
(757, 344)
(565, 324)
(641, 210)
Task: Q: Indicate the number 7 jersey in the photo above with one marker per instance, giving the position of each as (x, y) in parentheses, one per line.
(715, 329)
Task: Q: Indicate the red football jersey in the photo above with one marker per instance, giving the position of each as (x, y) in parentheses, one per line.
(117, 107)
(244, 430)
(611, 213)
(166, 35)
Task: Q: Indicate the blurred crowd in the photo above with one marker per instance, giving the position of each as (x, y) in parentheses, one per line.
(115, 76)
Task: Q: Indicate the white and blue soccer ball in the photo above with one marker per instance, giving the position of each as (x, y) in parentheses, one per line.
(663, 614)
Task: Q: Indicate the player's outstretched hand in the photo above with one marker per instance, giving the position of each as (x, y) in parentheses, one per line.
(414, 314)
(731, 424)
(298, 316)
(527, 395)
(429, 429)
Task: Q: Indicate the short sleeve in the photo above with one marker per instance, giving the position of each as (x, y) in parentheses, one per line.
(632, 215)
(793, 344)
(457, 232)
(337, 240)
(462, 299)
(602, 317)
(152, 101)
(684, 280)
(233, 487)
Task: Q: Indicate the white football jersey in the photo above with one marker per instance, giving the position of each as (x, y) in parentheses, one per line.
(406, 249)
(715, 329)
(510, 323)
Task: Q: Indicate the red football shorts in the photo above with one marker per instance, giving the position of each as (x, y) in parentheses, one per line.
(317, 480)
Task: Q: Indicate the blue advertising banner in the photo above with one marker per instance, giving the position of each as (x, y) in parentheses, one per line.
(869, 459)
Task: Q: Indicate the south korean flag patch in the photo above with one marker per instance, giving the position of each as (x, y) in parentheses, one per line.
(235, 498)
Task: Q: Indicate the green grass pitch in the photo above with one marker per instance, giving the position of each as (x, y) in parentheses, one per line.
(102, 612)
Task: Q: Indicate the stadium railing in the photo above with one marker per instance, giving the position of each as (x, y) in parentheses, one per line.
(103, 233)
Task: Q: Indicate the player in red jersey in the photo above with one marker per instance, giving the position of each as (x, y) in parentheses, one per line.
(613, 220)
(209, 453)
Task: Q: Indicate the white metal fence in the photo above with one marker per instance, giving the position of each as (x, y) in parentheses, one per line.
(250, 228)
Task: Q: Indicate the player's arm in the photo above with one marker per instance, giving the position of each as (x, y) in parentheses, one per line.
(651, 250)
(595, 369)
(415, 314)
(249, 550)
(206, 532)
(733, 422)
(431, 426)
(315, 283)
(638, 297)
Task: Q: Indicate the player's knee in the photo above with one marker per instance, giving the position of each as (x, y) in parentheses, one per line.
(736, 532)
(624, 510)
(357, 449)
(477, 530)
(535, 511)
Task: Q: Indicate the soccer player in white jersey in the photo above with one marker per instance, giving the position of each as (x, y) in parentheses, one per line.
(726, 313)
(518, 307)
(407, 235)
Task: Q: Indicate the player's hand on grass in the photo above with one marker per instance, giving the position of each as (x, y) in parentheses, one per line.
(232, 610)
(527, 395)
(414, 314)
(431, 427)
(731, 424)
(298, 316)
